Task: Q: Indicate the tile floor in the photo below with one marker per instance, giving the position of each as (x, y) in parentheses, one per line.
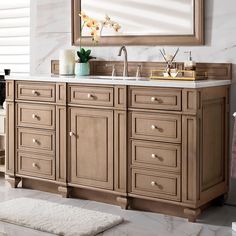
(216, 221)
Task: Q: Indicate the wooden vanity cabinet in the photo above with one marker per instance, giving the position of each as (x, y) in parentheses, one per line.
(151, 148)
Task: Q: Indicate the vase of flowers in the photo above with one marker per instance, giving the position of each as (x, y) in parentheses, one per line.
(82, 67)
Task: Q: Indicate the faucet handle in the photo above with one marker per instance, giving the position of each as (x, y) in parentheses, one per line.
(138, 72)
(113, 73)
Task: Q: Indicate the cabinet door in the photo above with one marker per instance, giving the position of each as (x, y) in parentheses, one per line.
(91, 147)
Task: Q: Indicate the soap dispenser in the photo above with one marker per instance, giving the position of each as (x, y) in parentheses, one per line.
(190, 64)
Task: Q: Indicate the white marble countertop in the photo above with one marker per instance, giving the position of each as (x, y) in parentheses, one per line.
(121, 81)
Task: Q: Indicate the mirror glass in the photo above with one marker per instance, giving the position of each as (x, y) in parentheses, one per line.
(142, 17)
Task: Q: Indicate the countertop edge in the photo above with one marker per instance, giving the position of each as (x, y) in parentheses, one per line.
(144, 82)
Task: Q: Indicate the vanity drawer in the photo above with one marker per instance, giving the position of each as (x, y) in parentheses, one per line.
(157, 127)
(156, 184)
(38, 141)
(91, 95)
(35, 91)
(156, 155)
(36, 116)
(154, 98)
(35, 165)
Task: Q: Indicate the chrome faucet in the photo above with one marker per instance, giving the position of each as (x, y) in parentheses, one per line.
(125, 72)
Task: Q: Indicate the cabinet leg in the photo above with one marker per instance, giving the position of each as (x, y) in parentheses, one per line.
(192, 214)
(13, 181)
(64, 191)
(123, 202)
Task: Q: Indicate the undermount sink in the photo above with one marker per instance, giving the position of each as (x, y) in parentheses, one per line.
(102, 77)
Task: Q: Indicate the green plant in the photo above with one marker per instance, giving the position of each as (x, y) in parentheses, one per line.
(84, 55)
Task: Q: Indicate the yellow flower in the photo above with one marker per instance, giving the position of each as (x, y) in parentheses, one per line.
(107, 18)
(83, 16)
(116, 27)
(109, 23)
(93, 32)
(91, 23)
(95, 23)
(95, 36)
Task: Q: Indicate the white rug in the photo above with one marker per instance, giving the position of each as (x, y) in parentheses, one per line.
(56, 218)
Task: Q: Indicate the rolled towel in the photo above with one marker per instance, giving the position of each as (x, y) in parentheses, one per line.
(233, 161)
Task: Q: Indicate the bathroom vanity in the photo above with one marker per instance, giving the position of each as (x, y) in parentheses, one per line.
(151, 145)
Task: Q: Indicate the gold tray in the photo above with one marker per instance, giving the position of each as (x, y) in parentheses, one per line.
(181, 75)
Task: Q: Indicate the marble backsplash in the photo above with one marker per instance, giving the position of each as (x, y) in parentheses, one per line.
(51, 31)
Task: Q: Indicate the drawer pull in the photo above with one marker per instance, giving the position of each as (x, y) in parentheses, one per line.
(34, 116)
(154, 156)
(153, 127)
(153, 99)
(35, 165)
(90, 95)
(34, 92)
(71, 134)
(153, 183)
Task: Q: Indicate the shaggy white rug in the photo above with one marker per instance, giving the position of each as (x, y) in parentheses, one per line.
(56, 218)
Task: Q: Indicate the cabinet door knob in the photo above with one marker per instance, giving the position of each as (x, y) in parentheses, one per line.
(153, 99)
(34, 165)
(90, 95)
(34, 92)
(34, 140)
(34, 116)
(153, 183)
(71, 134)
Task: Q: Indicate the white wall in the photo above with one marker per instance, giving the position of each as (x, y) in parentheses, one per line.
(51, 31)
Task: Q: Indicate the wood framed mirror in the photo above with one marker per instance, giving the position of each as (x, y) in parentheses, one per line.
(153, 22)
